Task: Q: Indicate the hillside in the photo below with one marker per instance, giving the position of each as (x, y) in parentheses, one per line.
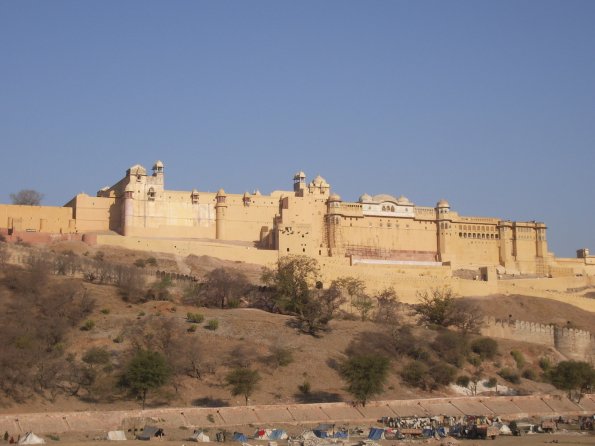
(33, 302)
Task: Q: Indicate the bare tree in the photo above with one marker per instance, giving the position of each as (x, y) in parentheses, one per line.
(27, 197)
(224, 287)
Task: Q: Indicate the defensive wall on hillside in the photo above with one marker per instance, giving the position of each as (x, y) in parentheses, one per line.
(506, 407)
(572, 343)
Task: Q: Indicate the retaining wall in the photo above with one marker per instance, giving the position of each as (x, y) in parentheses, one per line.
(506, 407)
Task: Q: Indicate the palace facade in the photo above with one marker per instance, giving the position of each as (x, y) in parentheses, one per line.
(312, 220)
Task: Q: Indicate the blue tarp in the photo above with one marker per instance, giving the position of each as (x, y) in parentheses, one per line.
(320, 434)
(238, 436)
(441, 431)
(428, 432)
(375, 433)
(340, 434)
(277, 434)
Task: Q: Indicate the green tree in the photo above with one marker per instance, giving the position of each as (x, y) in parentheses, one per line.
(293, 284)
(147, 370)
(365, 376)
(27, 197)
(436, 306)
(242, 381)
(578, 376)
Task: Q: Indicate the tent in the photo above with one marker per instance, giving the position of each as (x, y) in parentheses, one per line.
(199, 436)
(116, 435)
(505, 430)
(150, 432)
(238, 436)
(320, 434)
(270, 434)
(376, 434)
(31, 438)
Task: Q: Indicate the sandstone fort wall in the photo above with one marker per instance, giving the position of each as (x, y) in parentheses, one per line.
(572, 343)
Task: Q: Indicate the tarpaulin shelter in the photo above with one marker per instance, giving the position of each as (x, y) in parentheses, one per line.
(238, 436)
(150, 432)
(116, 436)
(31, 438)
(376, 434)
(199, 436)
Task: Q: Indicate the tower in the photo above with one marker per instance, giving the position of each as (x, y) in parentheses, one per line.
(443, 226)
(220, 211)
(299, 183)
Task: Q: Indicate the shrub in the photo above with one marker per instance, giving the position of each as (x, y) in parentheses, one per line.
(151, 261)
(195, 318)
(281, 356)
(486, 348)
(442, 374)
(140, 263)
(474, 360)
(452, 347)
(509, 375)
(305, 387)
(491, 383)
(192, 328)
(118, 339)
(213, 324)
(529, 374)
(545, 364)
(463, 381)
(518, 358)
(415, 373)
(88, 325)
(105, 311)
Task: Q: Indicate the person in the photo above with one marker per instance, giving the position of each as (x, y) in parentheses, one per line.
(6, 436)
(11, 440)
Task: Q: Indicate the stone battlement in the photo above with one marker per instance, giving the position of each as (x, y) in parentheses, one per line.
(571, 342)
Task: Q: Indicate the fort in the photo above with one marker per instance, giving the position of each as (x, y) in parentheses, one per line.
(374, 235)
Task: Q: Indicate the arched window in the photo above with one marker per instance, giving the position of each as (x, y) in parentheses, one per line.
(151, 194)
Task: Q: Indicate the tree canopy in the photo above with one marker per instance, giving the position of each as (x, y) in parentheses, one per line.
(365, 376)
(296, 290)
(578, 376)
(147, 370)
(242, 381)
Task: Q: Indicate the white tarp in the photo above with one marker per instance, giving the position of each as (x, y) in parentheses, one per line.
(31, 438)
(199, 436)
(116, 435)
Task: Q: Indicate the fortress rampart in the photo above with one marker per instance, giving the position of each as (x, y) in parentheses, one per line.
(572, 343)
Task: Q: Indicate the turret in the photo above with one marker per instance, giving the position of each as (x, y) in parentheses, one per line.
(299, 183)
(443, 225)
(128, 213)
(220, 211)
(333, 220)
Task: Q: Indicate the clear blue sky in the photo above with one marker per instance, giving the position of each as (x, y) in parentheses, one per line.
(489, 104)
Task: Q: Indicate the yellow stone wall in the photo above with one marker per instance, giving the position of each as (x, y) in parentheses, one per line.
(94, 213)
(37, 219)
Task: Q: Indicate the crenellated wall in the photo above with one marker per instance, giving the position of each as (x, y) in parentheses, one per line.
(572, 343)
